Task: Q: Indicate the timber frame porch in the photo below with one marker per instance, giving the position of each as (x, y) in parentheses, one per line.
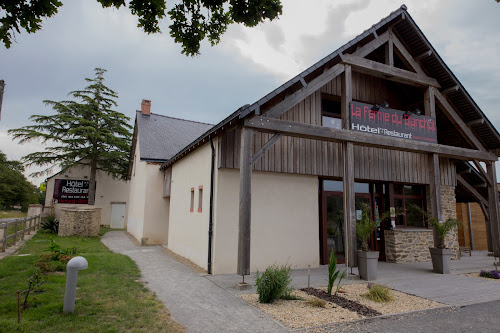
(265, 118)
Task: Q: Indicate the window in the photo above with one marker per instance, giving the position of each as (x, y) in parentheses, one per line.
(191, 209)
(200, 198)
(404, 197)
(330, 110)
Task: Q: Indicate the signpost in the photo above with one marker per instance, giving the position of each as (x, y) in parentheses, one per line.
(394, 123)
(71, 191)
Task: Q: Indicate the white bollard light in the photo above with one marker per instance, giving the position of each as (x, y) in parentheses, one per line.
(74, 265)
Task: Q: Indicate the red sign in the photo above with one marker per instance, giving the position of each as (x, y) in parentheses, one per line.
(393, 123)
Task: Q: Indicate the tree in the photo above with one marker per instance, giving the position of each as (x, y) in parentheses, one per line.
(86, 133)
(191, 20)
(14, 188)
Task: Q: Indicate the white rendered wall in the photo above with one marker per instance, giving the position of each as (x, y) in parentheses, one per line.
(148, 210)
(188, 231)
(285, 221)
(108, 190)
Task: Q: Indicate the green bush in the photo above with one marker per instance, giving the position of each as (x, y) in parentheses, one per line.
(51, 224)
(378, 293)
(273, 283)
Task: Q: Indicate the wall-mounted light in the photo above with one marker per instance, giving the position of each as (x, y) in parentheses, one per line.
(417, 111)
(375, 108)
(407, 114)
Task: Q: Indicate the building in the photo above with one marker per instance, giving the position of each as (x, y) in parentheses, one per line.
(381, 121)
(70, 188)
(148, 210)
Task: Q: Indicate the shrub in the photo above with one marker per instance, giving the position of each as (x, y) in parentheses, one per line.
(378, 293)
(484, 274)
(273, 283)
(34, 283)
(333, 273)
(316, 302)
(490, 274)
(50, 225)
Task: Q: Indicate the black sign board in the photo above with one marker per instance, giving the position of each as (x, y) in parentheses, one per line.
(394, 123)
(71, 191)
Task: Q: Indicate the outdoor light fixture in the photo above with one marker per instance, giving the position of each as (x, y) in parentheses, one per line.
(377, 107)
(417, 111)
(407, 114)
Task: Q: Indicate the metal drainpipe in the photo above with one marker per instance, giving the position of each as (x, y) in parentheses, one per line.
(470, 227)
(210, 218)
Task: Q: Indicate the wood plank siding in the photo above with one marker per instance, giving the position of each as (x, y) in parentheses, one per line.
(314, 157)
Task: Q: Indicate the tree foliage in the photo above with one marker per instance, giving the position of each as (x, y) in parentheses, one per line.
(191, 21)
(15, 190)
(88, 133)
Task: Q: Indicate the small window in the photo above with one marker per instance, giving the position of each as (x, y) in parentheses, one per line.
(200, 198)
(331, 111)
(191, 209)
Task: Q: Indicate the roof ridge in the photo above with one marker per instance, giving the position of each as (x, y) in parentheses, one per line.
(176, 118)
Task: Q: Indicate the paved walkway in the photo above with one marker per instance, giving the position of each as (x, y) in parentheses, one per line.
(205, 303)
(193, 300)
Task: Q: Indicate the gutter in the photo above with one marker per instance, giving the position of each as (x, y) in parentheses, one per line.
(210, 218)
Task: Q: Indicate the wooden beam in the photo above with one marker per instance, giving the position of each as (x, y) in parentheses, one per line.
(423, 55)
(475, 122)
(302, 93)
(457, 121)
(479, 197)
(486, 213)
(349, 205)
(494, 210)
(372, 46)
(483, 172)
(430, 102)
(266, 147)
(389, 51)
(270, 125)
(450, 90)
(406, 56)
(304, 83)
(390, 73)
(435, 192)
(346, 97)
(245, 201)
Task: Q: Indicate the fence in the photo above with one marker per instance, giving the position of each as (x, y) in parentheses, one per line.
(21, 227)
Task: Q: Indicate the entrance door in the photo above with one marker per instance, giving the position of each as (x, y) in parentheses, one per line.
(334, 216)
(117, 215)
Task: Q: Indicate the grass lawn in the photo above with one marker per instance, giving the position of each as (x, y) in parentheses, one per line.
(109, 297)
(11, 214)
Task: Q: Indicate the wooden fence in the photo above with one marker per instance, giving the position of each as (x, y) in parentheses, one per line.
(21, 227)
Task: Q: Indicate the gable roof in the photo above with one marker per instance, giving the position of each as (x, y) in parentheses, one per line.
(404, 26)
(161, 137)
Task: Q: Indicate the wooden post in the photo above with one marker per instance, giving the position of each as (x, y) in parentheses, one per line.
(245, 201)
(24, 227)
(348, 175)
(493, 209)
(4, 241)
(16, 223)
(389, 50)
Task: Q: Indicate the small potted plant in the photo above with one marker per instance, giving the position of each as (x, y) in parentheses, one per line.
(367, 259)
(441, 256)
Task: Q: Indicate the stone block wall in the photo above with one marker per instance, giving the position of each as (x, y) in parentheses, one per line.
(80, 221)
(408, 245)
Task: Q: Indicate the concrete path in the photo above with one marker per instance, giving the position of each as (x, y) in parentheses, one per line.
(193, 300)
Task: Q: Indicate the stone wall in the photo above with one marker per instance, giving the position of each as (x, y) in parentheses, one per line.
(34, 209)
(408, 245)
(80, 221)
(449, 210)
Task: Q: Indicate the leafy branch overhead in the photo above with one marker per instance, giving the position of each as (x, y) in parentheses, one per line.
(191, 21)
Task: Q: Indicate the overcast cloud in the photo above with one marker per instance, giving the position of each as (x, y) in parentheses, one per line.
(247, 64)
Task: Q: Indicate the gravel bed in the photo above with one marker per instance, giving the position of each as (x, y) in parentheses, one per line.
(299, 314)
(476, 275)
(402, 302)
(348, 304)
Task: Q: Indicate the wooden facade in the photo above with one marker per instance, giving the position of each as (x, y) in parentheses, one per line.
(325, 159)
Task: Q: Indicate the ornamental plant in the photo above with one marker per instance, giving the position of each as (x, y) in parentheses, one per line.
(441, 229)
(378, 293)
(365, 226)
(333, 273)
(490, 274)
(273, 283)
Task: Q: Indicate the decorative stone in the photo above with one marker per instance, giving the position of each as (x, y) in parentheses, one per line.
(80, 221)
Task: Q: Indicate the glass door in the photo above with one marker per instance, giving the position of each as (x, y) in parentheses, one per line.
(335, 227)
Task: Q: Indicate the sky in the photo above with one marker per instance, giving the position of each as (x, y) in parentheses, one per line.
(245, 66)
